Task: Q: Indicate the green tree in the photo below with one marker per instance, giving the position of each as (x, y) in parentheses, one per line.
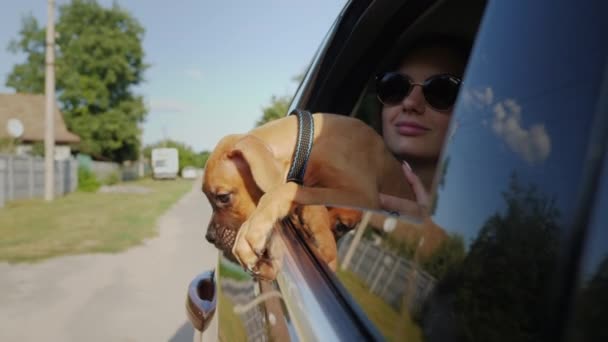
(449, 255)
(278, 104)
(276, 109)
(99, 59)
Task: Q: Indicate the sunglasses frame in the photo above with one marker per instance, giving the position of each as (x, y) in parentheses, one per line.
(413, 84)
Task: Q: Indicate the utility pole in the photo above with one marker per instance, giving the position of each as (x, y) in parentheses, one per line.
(49, 91)
(140, 165)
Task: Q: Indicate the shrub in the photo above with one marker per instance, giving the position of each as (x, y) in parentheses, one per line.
(87, 181)
(112, 179)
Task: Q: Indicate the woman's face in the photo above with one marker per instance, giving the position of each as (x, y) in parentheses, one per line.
(412, 129)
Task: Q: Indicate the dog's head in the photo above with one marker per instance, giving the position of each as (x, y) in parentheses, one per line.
(238, 172)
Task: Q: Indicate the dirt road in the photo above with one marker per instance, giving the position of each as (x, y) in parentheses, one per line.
(137, 295)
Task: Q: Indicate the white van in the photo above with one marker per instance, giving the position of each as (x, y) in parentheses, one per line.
(165, 163)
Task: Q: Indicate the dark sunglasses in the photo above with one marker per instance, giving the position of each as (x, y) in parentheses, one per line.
(440, 91)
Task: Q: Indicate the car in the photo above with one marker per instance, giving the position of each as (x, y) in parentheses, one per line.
(165, 163)
(521, 197)
(190, 172)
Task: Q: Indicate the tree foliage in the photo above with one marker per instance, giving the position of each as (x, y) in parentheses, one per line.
(592, 307)
(99, 58)
(278, 104)
(187, 156)
(276, 109)
(498, 292)
(448, 255)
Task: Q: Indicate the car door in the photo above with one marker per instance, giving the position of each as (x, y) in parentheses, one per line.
(307, 301)
(515, 193)
(512, 202)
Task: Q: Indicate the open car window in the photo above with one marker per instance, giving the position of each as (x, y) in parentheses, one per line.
(390, 263)
(502, 243)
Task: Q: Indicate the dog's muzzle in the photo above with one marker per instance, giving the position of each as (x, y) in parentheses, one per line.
(222, 237)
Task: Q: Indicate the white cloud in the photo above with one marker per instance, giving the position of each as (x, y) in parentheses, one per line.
(170, 106)
(478, 98)
(194, 73)
(532, 144)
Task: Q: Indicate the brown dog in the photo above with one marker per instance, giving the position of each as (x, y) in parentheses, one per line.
(244, 181)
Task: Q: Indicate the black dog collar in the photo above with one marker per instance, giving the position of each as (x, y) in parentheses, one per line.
(301, 152)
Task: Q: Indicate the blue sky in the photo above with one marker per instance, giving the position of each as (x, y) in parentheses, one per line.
(214, 64)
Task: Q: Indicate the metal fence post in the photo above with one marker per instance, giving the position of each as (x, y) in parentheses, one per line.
(61, 177)
(30, 179)
(74, 174)
(360, 257)
(391, 276)
(3, 182)
(374, 269)
(355, 242)
(11, 179)
(379, 274)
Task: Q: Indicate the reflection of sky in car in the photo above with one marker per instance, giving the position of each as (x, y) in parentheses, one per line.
(536, 159)
(512, 118)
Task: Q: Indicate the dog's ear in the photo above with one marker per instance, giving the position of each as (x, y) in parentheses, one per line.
(265, 169)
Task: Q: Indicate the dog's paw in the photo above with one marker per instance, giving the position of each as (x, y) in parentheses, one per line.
(265, 269)
(251, 241)
(261, 265)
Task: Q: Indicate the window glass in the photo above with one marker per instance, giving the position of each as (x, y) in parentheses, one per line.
(389, 266)
(505, 192)
(512, 169)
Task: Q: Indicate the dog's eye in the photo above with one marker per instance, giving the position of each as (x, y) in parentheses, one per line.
(223, 198)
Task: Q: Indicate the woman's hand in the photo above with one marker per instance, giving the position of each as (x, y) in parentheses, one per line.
(400, 205)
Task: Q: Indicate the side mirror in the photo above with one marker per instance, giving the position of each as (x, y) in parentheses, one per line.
(201, 300)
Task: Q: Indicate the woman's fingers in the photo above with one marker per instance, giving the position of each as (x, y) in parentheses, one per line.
(422, 196)
(400, 205)
(404, 206)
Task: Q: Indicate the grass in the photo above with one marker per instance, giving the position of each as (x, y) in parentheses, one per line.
(231, 325)
(231, 270)
(394, 326)
(84, 222)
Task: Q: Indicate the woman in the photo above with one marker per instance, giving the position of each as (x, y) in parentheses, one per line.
(418, 100)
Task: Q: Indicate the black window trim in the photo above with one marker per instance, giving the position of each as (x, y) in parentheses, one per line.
(569, 263)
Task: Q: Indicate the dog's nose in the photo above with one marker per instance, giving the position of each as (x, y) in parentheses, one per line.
(211, 236)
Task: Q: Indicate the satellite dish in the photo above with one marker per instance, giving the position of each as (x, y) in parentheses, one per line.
(14, 128)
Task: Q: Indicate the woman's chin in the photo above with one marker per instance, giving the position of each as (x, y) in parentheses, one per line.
(416, 152)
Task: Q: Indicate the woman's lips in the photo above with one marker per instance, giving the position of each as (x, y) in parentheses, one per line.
(411, 129)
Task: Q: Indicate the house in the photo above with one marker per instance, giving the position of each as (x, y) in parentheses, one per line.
(29, 109)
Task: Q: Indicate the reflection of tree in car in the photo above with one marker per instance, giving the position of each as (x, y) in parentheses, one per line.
(448, 255)
(592, 307)
(436, 250)
(497, 292)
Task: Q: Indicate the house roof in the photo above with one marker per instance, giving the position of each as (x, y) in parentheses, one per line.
(29, 109)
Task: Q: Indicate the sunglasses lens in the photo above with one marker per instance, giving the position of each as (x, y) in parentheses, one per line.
(441, 91)
(392, 88)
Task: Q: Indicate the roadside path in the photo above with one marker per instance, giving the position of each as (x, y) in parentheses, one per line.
(137, 295)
